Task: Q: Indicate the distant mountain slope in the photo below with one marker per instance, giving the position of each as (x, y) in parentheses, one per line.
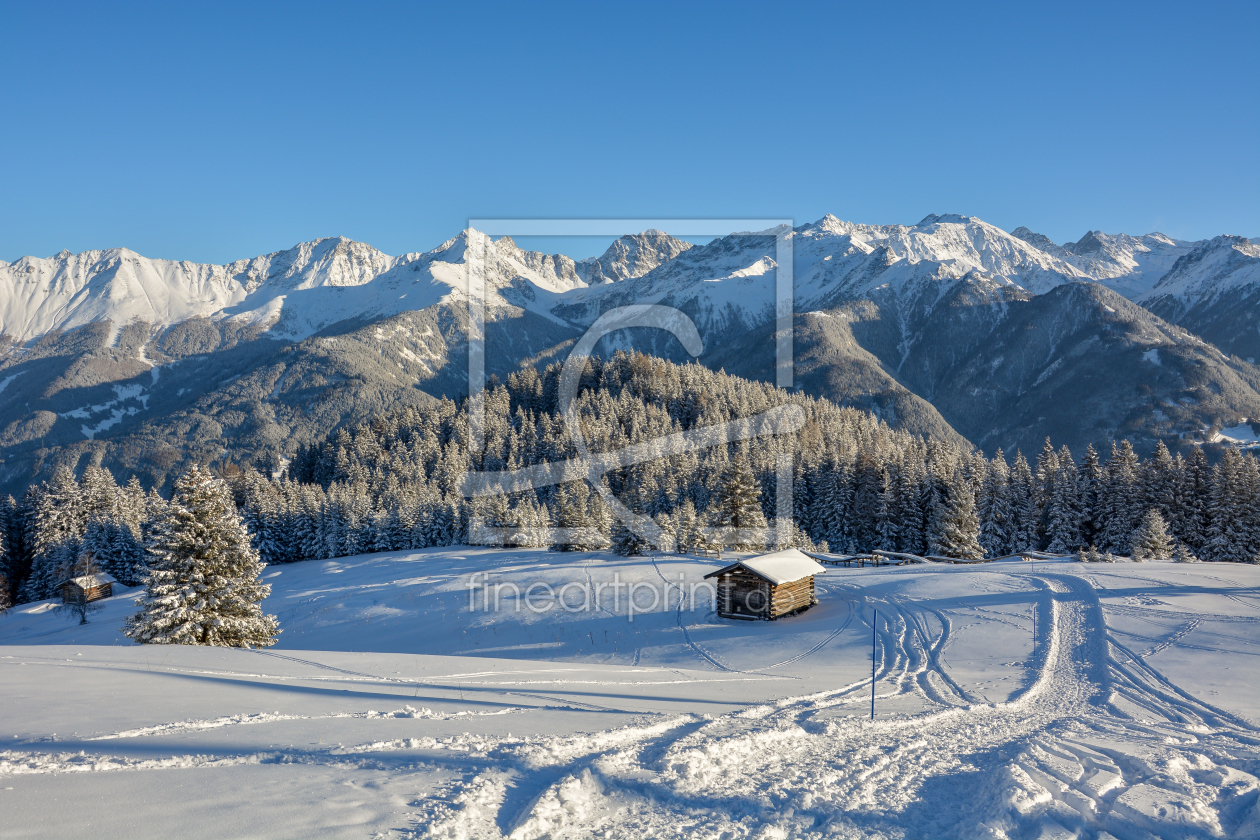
(950, 328)
(1130, 265)
(294, 293)
(1214, 291)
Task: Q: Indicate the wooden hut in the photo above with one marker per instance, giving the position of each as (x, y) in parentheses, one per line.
(87, 588)
(766, 587)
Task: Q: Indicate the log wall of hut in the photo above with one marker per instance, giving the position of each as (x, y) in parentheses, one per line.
(71, 592)
(742, 594)
(792, 596)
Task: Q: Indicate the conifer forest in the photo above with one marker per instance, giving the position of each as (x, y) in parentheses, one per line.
(395, 483)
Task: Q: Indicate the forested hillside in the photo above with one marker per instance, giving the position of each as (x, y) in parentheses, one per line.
(397, 483)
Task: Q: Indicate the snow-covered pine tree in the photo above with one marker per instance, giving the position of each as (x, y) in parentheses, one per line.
(6, 597)
(131, 504)
(309, 539)
(599, 521)
(202, 585)
(739, 504)
(1228, 534)
(1159, 478)
(115, 549)
(1151, 541)
(572, 524)
(624, 539)
(383, 520)
(836, 506)
(1043, 485)
(55, 528)
(995, 512)
(956, 531)
(1123, 499)
(910, 512)
(868, 490)
(12, 564)
(1182, 553)
(357, 509)
(1027, 513)
(98, 495)
(1063, 516)
(333, 528)
(626, 542)
(888, 528)
(1196, 500)
(6, 556)
(1089, 485)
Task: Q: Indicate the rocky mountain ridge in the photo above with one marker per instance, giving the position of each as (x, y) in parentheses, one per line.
(950, 327)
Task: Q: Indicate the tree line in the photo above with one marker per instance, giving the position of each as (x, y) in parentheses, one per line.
(857, 485)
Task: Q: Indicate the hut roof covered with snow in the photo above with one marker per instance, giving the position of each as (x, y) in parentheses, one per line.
(767, 587)
(778, 568)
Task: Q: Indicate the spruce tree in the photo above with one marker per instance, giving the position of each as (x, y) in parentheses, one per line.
(13, 560)
(626, 542)
(599, 522)
(624, 539)
(995, 510)
(1123, 495)
(739, 504)
(1196, 495)
(1151, 541)
(1027, 510)
(115, 549)
(956, 530)
(1089, 486)
(55, 528)
(574, 531)
(202, 584)
(1182, 553)
(1063, 516)
(868, 491)
(98, 495)
(1229, 535)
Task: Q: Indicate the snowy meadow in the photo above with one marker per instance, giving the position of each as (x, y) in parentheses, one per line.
(1012, 699)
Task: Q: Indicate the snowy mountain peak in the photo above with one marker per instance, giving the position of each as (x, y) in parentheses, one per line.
(1211, 268)
(631, 256)
(298, 291)
(945, 219)
(330, 261)
(1130, 265)
(1037, 240)
(1091, 243)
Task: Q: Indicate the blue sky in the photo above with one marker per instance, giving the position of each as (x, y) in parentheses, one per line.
(214, 132)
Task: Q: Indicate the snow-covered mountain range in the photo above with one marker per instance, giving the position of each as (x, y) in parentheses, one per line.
(295, 293)
(948, 326)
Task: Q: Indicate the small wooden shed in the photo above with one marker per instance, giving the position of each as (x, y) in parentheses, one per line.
(88, 587)
(767, 587)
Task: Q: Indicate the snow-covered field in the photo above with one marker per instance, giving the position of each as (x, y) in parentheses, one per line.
(391, 708)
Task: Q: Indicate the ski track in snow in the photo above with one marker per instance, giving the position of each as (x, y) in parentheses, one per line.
(1056, 760)
(1098, 744)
